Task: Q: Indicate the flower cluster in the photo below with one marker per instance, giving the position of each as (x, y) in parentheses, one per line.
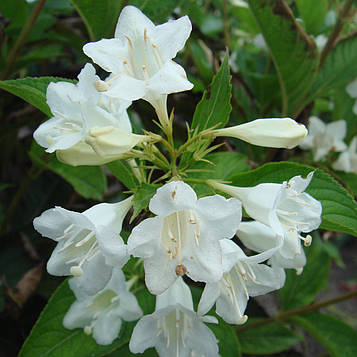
(202, 239)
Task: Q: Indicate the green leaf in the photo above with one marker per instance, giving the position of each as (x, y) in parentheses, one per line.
(122, 171)
(313, 14)
(228, 342)
(339, 339)
(224, 165)
(300, 290)
(349, 179)
(214, 107)
(142, 197)
(293, 52)
(100, 17)
(338, 69)
(16, 11)
(339, 210)
(49, 338)
(32, 90)
(88, 181)
(267, 339)
(157, 11)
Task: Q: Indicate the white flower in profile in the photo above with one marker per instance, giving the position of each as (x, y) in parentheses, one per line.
(261, 238)
(88, 243)
(269, 132)
(286, 208)
(102, 314)
(184, 236)
(174, 329)
(85, 129)
(243, 277)
(323, 138)
(347, 161)
(139, 58)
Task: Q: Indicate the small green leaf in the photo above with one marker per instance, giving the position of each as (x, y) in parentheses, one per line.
(339, 339)
(267, 339)
(32, 90)
(49, 338)
(157, 11)
(88, 181)
(313, 14)
(339, 210)
(142, 197)
(214, 107)
(122, 171)
(338, 69)
(100, 17)
(300, 290)
(293, 52)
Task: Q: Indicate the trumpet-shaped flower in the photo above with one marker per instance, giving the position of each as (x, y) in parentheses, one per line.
(243, 277)
(286, 208)
(261, 238)
(324, 137)
(274, 132)
(174, 329)
(88, 243)
(139, 58)
(347, 161)
(86, 129)
(184, 236)
(102, 314)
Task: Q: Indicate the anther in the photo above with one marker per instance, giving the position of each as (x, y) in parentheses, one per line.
(307, 241)
(101, 86)
(180, 270)
(87, 330)
(173, 194)
(76, 271)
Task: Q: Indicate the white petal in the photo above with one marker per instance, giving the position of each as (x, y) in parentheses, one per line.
(297, 262)
(106, 329)
(343, 163)
(231, 253)
(172, 197)
(144, 335)
(171, 36)
(337, 129)
(78, 315)
(218, 216)
(209, 296)
(171, 78)
(126, 87)
(351, 89)
(86, 78)
(316, 126)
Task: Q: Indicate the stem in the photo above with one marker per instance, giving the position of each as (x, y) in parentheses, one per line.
(342, 20)
(299, 311)
(26, 30)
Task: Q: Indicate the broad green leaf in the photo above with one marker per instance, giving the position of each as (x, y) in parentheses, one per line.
(100, 17)
(88, 181)
(223, 165)
(339, 339)
(32, 90)
(214, 107)
(339, 210)
(122, 171)
(157, 11)
(313, 13)
(339, 68)
(300, 290)
(17, 12)
(349, 180)
(142, 197)
(293, 52)
(267, 339)
(49, 338)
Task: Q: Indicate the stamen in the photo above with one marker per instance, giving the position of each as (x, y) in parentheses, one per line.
(307, 240)
(101, 86)
(85, 239)
(76, 271)
(197, 235)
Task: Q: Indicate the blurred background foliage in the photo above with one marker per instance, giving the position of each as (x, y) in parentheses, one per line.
(287, 58)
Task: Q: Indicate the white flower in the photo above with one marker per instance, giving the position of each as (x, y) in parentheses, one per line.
(139, 58)
(324, 137)
(102, 314)
(261, 238)
(351, 89)
(243, 277)
(88, 243)
(174, 329)
(274, 132)
(286, 208)
(184, 236)
(86, 129)
(347, 161)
